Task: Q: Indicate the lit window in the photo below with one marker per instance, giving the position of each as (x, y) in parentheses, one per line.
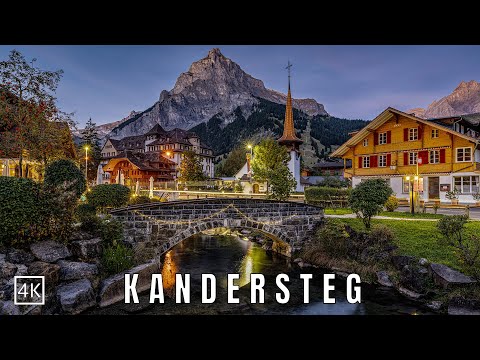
(366, 161)
(382, 138)
(413, 134)
(412, 158)
(365, 142)
(434, 156)
(434, 133)
(382, 161)
(464, 154)
(466, 184)
(406, 186)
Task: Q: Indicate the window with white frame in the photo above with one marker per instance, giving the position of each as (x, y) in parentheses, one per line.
(434, 133)
(365, 142)
(434, 156)
(382, 160)
(382, 138)
(366, 162)
(412, 158)
(464, 154)
(412, 134)
(466, 184)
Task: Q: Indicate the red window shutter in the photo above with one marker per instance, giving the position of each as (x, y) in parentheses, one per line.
(442, 156)
(420, 130)
(424, 156)
(405, 158)
(389, 137)
(375, 139)
(374, 161)
(405, 134)
(360, 159)
(389, 159)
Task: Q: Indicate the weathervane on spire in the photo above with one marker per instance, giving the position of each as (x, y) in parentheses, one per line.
(288, 68)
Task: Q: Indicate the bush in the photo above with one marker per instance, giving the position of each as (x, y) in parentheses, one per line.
(238, 188)
(117, 258)
(467, 249)
(86, 214)
(381, 236)
(331, 238)
(324, 195)
(391, 204)
(65, 171)
(333, 182)
(368, 197)
(108, 196)
(141, 199)
(111, 231)
(19, 209)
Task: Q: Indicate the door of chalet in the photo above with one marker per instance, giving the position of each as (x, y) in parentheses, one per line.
(433, 188)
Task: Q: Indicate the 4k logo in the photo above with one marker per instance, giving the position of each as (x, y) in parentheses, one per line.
(29, 290)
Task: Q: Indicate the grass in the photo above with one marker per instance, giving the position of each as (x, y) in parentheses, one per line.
(405, 214)
(337, 211)
(420, 239)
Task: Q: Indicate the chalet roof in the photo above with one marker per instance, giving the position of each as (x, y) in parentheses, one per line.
(157, 129)
(140, 160)
(386, 115)
(130, 143)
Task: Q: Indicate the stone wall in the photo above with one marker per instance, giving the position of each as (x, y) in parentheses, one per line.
(155, 228)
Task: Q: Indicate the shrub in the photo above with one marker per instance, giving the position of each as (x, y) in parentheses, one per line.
(65, 171)
(141, 199)
(368, 197)
(117, 258)
(391, 204)
(19, 209)
(238, 187)
(111, 231)
(381, 236)
(322, 195)
(86, 214)
(108, 196)
(331, 238)
(467, 249)
(58, 211)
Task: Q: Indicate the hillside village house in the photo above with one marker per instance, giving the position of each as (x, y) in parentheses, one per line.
(157, 153)
(391, 145)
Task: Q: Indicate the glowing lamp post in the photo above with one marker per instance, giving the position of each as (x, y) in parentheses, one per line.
(86, 163)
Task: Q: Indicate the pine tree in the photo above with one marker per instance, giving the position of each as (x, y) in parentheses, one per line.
(91, 140)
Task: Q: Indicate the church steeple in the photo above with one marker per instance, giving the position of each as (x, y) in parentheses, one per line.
(289, 137)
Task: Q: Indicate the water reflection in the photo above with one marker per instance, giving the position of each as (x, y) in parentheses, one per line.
(169, 270)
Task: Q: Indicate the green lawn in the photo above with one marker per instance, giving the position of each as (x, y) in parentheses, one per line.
(337, 211)
(419, 238)
(404, 214)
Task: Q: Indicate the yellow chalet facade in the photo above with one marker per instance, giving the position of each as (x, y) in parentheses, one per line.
(390, 146)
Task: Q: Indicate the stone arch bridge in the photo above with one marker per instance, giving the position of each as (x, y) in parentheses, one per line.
(155, 228)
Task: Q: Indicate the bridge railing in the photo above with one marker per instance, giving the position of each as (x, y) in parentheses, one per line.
(173, 195)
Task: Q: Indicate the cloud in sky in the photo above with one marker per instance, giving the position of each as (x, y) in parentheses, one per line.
(107, 82)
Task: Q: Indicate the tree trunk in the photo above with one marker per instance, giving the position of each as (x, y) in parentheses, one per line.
(20, 164)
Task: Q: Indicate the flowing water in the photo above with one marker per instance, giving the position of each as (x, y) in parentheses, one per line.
(221, 255)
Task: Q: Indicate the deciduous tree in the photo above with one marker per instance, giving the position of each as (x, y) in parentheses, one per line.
(270, 164)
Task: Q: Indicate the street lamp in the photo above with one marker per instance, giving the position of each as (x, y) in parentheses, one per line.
(86, 163)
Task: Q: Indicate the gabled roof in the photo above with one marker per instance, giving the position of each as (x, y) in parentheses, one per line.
(381, 119)
(157, 129)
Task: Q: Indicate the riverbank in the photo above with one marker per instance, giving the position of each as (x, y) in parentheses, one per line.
(414, 263)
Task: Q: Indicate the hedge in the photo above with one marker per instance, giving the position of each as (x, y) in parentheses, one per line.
(327, 196)
(108, 196)
(20, 209)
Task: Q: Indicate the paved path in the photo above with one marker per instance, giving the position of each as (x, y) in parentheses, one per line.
(353, 216)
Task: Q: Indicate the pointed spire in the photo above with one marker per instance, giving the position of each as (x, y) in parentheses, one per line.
(289, 136)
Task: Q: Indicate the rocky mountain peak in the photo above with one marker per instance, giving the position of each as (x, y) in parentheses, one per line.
(212, 85)
(465, 99)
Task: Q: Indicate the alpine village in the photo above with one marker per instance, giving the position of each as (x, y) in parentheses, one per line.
(223, 175)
